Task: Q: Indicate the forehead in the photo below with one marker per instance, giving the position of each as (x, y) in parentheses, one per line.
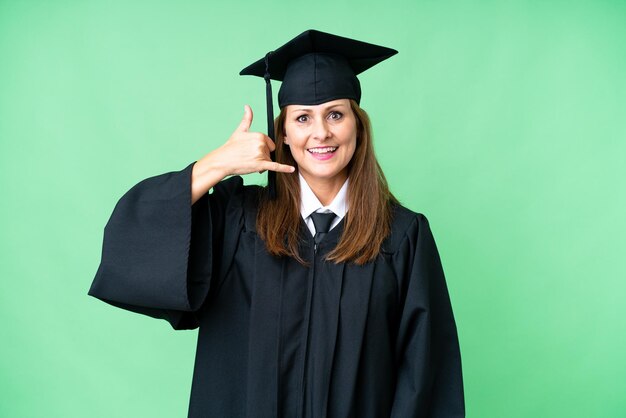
(320, 107)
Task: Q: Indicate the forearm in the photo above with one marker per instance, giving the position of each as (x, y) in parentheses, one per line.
(206, 173)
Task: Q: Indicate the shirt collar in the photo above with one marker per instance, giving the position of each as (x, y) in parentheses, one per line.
(309, 203)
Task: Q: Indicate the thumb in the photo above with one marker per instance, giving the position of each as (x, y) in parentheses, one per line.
(245, 123)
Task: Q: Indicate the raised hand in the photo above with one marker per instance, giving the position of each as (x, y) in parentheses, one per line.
(248, 152)
(244, 152)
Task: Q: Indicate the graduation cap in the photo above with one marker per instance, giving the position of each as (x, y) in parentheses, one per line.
(314, 67)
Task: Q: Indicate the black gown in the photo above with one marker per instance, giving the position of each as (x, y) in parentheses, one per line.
(278, 339)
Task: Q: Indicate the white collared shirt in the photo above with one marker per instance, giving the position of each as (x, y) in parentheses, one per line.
(309, 203)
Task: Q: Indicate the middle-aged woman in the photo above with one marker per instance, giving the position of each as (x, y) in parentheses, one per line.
(318, 296)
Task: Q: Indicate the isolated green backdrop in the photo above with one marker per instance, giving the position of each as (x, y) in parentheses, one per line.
(502, 121)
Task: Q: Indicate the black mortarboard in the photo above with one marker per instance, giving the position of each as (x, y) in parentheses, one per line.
(315, 67)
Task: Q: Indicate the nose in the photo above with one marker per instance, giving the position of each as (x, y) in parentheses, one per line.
(321, 130)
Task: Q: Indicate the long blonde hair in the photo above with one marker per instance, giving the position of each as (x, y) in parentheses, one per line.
(368, 220)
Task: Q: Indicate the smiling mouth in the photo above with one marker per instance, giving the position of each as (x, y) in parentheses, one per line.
(322, 150)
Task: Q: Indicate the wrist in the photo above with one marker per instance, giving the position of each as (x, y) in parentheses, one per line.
(210, 167)
(205, 174)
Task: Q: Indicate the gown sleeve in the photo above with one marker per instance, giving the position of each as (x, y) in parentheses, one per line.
(429, 378)
(158, 249)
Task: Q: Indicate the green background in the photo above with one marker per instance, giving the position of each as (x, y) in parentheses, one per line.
(502, 121)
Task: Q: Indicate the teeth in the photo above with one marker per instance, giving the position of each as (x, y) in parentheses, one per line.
(322, 150)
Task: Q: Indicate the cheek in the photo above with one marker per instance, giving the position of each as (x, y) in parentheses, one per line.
(349, 133)
(351, 140)
(353, 146)
(293, 138)
(352, 150)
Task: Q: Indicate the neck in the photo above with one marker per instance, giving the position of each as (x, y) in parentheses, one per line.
(325, 189)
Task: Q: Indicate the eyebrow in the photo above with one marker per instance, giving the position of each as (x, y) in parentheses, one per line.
(327, 108)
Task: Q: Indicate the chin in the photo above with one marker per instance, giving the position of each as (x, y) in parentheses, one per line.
(327, 174)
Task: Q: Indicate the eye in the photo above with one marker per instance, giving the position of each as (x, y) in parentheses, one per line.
(335, 115)
(302, 118)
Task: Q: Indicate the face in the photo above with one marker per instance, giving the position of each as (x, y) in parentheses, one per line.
(322, 139)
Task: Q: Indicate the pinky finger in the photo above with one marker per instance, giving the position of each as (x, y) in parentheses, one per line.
(281, 168)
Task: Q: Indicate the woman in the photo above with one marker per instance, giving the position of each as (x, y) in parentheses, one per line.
(319, 296)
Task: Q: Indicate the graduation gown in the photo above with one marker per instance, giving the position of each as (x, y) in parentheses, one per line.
(276, 338)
